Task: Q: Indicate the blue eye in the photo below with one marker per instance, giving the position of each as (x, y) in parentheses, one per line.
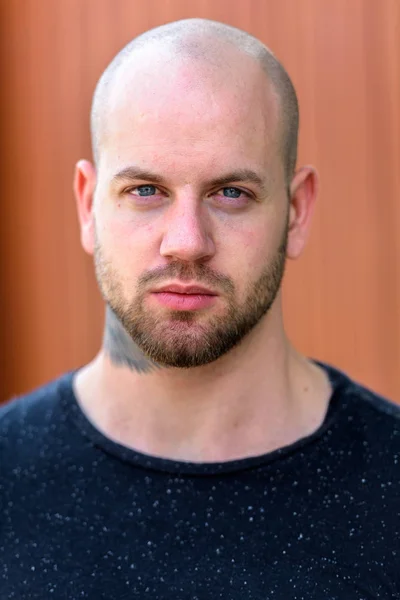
(146, 190)
(232, 192)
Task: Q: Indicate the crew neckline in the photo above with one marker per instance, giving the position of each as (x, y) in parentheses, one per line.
(140, 459)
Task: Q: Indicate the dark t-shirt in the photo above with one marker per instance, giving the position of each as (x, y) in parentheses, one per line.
(83, 517)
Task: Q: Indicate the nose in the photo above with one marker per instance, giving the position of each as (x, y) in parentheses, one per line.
(187, 235)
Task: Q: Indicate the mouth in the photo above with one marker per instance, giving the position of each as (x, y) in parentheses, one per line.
(176, 288)
(184, 297)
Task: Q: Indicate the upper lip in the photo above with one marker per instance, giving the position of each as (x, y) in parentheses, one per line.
(177, 288)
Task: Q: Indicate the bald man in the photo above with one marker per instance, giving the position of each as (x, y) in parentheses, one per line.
(199, 455)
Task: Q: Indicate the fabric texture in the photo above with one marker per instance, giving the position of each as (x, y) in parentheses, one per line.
(84, 517)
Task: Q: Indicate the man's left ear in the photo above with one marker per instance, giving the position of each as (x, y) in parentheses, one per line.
(303, 194)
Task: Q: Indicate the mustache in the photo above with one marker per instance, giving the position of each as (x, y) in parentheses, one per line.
(198, 273)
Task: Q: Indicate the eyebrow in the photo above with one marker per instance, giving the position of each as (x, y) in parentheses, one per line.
(135, 173)
(240, 175)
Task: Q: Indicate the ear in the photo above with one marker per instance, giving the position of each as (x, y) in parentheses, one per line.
(303, 194)
(84, 186)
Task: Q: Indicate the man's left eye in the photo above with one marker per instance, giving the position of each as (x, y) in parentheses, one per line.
(145, 190)
(232, 192)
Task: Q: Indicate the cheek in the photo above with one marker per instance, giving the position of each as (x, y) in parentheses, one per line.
(127, 244)
(246, 248)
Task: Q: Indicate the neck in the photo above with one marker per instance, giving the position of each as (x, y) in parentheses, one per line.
(260, 396)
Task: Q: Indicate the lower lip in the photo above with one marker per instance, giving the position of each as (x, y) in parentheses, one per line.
(184, 301)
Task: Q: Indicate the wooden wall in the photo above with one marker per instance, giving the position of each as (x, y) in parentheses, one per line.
(341, 300)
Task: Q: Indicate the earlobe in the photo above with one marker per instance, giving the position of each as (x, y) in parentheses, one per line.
(303, 194)
(84, 187)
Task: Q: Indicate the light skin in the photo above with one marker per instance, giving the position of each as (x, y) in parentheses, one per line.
(214, 205)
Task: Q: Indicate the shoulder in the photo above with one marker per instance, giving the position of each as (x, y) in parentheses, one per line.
(357, 397)
(365, 423)
(28, 423)
(376, 409)
(34, 408)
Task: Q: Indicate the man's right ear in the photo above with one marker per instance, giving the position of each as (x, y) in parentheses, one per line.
(84, 187)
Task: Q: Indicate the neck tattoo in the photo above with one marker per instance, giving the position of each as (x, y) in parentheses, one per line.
(121, 349)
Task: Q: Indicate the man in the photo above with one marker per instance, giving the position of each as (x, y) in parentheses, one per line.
(199, 455)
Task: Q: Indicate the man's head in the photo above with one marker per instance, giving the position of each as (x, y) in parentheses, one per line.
(194, 128)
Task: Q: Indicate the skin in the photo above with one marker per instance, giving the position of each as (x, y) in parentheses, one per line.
(261, 394)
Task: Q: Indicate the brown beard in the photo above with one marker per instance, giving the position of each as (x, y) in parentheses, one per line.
(180, 340)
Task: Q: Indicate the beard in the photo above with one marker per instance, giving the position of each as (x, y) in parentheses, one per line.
(185, 339)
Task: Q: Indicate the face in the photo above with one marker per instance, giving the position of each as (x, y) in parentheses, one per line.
(190, 221)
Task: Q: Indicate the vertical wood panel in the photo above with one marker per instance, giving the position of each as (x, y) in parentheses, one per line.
(341, 299)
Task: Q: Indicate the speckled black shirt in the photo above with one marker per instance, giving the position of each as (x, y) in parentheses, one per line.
(83, 517)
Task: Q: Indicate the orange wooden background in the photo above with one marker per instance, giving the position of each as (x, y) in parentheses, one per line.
(341, 300)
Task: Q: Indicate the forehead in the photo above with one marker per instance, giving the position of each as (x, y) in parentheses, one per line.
(166, 106)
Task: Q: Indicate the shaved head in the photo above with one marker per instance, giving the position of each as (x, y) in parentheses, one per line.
(194, 129)
(210, 45)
